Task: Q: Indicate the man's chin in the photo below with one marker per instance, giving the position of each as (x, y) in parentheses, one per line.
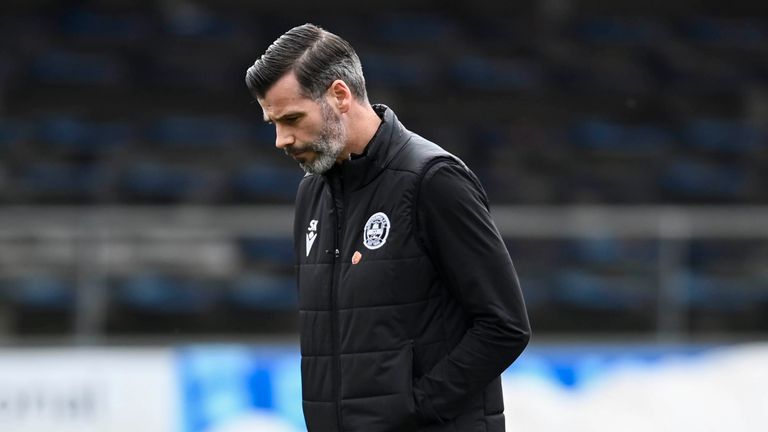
(305, 161)
(310, 168)
(316, 166)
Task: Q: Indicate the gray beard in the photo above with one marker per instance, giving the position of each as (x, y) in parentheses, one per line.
(328, 145)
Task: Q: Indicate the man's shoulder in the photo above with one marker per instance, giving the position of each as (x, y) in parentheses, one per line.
(418, 153)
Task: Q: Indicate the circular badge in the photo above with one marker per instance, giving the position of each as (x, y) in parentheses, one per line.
(376, 231)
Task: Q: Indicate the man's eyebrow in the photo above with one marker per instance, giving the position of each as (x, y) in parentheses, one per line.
(294, 114)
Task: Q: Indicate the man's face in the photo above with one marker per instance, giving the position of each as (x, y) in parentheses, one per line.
(310, 131)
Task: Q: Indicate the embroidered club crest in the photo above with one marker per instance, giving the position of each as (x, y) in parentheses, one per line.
(376, 231)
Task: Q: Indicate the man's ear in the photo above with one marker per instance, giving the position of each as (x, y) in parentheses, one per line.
(340, 95)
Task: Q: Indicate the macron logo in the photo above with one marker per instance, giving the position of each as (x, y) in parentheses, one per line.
(311, 234)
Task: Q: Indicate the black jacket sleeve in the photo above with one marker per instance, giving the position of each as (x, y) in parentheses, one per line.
(474, 265)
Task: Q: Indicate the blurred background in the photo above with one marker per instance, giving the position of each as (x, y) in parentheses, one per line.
(146, 266)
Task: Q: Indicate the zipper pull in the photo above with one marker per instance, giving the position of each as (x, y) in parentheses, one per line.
(337, 253)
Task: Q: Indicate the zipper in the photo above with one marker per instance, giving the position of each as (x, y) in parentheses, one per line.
(335, 330)
(335, 334)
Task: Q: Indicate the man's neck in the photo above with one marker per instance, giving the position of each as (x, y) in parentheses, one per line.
(364, 123)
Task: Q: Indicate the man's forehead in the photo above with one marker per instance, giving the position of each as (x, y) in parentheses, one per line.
(284, 95)
(277, 110)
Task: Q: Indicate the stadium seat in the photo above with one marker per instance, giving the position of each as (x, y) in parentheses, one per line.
(723, 136)
(537, 290)
(474, 72)
(631, 31)
(14, 133)
(275, 251)
(605, 292)
(616, 138)
(76, 68)
(184, 133)
(735, 293)
(399, 71)
(740, 33)
(697, 180)
(164, 294)
(57, 181)
(259, 182)
(411, 28)
(106, 28)
(264, 292)
(41, 292)
(196, 21)
(165, 182)
(71, 135)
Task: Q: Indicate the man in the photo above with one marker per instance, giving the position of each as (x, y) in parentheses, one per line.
(409, 305)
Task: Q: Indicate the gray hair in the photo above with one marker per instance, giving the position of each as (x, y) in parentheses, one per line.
(317, 57)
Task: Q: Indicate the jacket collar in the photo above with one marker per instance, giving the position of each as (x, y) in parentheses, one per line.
(388, 140)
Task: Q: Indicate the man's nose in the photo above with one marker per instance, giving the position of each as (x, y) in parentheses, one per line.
(283, 137)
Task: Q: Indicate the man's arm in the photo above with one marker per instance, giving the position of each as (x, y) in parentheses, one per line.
(475, 266)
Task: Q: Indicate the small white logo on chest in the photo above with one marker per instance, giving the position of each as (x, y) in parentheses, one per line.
(311, 234)
(376, 231)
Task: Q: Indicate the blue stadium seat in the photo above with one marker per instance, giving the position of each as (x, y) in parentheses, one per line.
(604, 292)
(476, 72)
(691, 179)
(695, 72)
(9, 66)
(399, 71)
(707, 255)
(601, 73)
(725, 293)
(267, 250)
(740, 33)
(631, 140)
(537, 290)
(602, 250)
(156, 181)
(104, 27)
(723, 136)
(412, 28)
(75, 68)
(166, 294)
(69, 134)
(265, 183)
(13, 133)
(196, 20)
(41, 291)
(61, 180)
(264, 292)
(620, 30)
(197, 132)
(261, 134)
